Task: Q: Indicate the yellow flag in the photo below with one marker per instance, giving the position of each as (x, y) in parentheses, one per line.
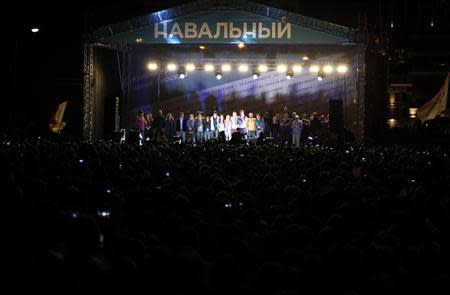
(436, 105)
(56, 124)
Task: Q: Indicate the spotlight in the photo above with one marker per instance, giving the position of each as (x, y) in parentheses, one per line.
(297, 68)
(320, 75)
(226, 67)
(209, 67)
(328, 69)
(262, 68)
(314, 69)
(182, 73)
(305, 57)
(35, 30)
(243, 68)
(281, 68)
(190, 67)
(241, 45)
(218, 75)
(171, 67)
(139, 40)
(289, 75)
(152, 66)
(202, 47)
(342, 69)
(256, 73)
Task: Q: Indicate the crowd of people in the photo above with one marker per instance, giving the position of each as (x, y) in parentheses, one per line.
(286, 127)
(218, 218)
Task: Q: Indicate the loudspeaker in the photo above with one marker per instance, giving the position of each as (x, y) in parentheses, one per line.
(336, 116)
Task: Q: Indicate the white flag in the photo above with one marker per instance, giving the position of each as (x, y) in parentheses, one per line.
(436, 105)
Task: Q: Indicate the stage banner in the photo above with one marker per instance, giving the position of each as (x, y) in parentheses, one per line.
(436, 105)
(223, 27)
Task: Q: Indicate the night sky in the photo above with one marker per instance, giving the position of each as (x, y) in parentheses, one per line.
(44, 69)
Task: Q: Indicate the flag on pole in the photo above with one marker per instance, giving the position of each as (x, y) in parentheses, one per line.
(56, 123)
(436, 105)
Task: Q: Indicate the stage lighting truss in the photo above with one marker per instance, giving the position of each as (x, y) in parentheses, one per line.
(223, 67)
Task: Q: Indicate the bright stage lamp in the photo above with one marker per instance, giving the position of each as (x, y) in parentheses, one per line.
(226, 68)
(289, 75)
(262, 68)
(320, 75)
(328, 69)
(314, 69)
(209, 67)
(305, 57)
(182, 75)
(297, 68)
(218, 76)
(243, 68)
(255, 76)
(35, 30)
(190, 67)
(281, 68)
(171, 67)
(342, 69)
(241, 45)
(152, 66)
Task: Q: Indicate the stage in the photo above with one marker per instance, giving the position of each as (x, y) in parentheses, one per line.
(223, 56)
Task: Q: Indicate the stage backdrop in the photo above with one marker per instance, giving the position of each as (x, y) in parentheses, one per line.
(200, 90)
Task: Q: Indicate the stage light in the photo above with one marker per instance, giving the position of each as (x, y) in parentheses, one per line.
(256, 73)
(218, 75)
(281, 68)
(241, 45)
(342, 69)
(152, 66)
(226, 67)
(190, 67)
(182, 73)
(35, 30)
(243, 68)
(139, 40)
(328, 69)
(314, 69)
(289, 75)
(255, 76)
(202, 47)
(413, 112)
(321, 75)
(262, 68)
(209, 67)
(305, 57)
(171, 67)
(297, 68)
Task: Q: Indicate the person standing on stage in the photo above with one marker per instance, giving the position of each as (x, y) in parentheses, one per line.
(242, 124)
(169, 126)
(227, 128)
(207, 128)
(181, 127)
(199, 127)
(140, 123)
(297, 127)
(221, 128)
(158, 124)
(234, 125)
(285, 128)
(215, 125)
(251, 126)
(148, 126)
(259, 125)
(190, 128)
(267, 123)
(275, 130)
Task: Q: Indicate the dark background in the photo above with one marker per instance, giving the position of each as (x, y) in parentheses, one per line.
(44, 69)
